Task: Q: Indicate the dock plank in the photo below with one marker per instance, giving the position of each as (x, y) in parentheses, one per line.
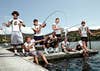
(9, 62)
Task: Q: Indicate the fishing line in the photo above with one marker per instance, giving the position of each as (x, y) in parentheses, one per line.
(51, 14)
(66, 29)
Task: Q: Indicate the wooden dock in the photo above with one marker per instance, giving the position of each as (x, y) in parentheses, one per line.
(62, 55)
(9, 62)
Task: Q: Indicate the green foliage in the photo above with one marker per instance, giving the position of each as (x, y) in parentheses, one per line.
(72, 36)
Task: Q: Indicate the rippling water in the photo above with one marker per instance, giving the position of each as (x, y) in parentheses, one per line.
(79, 64)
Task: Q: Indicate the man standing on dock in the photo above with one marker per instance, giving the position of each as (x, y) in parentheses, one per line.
(56, 28)
(37, 28)
(38, 36)
(16, 35)
(83, 31)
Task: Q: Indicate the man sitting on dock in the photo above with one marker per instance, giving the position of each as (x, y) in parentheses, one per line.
(29, 46)
(54, 42)
(51, 43)
(65, 46)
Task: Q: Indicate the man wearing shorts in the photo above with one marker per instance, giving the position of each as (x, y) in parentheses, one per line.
(16, 35)
(65, 46)
(83, 31)
(37, 30)
(29, 46)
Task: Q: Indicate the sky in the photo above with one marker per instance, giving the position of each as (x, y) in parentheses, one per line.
(71, 12)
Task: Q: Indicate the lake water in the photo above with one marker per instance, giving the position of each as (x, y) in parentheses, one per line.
(79, 64)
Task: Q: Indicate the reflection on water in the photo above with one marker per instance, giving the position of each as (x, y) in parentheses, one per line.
(86, 66)
(78, 64)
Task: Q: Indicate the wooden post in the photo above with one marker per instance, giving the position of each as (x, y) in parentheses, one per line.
(90, 41)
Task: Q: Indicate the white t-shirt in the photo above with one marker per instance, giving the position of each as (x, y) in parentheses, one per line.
(83, 31)
(15, 24)
(57, 26)
(29, 44)
(37, 27)
(66, 44)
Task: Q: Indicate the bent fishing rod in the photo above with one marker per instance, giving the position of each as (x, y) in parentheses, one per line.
(66, 29)
(52, 13)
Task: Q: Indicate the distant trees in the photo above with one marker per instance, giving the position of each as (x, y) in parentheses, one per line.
(72, 36)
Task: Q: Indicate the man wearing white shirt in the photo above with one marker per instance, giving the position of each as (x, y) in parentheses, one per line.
(56, 28)
(83, 31)
(29, 46)
(37, 30)
(65, 46)
(38, 36)
(16, 35)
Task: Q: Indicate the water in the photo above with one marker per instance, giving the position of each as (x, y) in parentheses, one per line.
(79, 64)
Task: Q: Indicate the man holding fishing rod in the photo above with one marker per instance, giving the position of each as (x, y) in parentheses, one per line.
(37, 29)
(83, 31)
(56, 28)
(38, 36)
(16, 35)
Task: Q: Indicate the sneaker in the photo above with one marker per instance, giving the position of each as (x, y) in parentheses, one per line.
(56, 50)
(26, 54)
(46, 51)
(17, 54)
(51, 50)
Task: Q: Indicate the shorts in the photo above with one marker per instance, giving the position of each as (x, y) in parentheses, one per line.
(58, 35)
(68, 49)
(84, 39)
(38, 37)
(35, 53)
(16, 38)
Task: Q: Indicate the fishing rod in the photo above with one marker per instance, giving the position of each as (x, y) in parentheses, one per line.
(54, 12)
(51, 14)
(66, 29)
(73, 26)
